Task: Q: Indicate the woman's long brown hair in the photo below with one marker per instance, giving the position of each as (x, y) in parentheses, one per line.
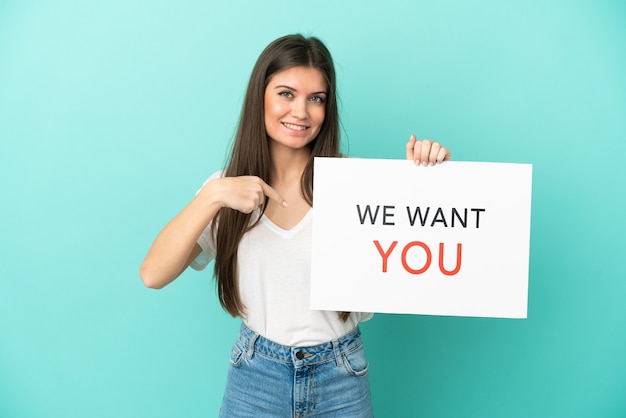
(250, 153)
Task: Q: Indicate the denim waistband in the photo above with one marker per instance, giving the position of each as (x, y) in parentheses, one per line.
(299, 356)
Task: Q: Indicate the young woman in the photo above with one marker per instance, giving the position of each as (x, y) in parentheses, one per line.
(254, 220)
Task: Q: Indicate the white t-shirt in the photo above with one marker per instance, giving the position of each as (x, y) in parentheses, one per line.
(274, 267)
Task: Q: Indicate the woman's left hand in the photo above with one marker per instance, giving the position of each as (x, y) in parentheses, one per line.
(426, 152)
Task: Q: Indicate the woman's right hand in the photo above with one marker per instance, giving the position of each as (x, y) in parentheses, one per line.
(242, 193)
(175, 247)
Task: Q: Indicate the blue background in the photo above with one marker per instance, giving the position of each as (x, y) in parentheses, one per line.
(112, 113)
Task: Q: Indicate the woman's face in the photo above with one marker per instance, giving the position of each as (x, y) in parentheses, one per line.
(295, 106)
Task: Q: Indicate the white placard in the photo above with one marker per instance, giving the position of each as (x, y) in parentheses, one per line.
(452, 239)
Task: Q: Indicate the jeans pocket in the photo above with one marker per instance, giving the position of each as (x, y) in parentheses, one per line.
(236, 354)
(356, 362)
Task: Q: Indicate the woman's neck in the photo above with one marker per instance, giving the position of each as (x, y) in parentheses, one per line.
(288, 165)
(286, 178)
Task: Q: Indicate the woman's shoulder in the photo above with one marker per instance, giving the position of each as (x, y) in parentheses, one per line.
(216, 175)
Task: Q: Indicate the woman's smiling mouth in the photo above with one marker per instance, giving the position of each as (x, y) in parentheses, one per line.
(294, 126)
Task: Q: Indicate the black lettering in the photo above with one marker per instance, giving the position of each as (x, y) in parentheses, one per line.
(367, 213)
(455, 214)
(417, 213)
(477, 215)
(387, 215)
(439, 218)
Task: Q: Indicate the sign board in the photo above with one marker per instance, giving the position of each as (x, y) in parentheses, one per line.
(451, 239)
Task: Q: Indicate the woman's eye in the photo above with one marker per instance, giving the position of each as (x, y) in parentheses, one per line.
(285, 93)
(317, 99)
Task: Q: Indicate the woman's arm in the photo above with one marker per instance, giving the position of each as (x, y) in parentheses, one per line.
(175, 247)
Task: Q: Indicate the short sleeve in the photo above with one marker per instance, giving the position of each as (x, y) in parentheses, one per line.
(206, 241)
(365, 316)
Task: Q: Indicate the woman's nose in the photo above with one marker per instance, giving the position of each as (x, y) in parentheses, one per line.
(299, 109)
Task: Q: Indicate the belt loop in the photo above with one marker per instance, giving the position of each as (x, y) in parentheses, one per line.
(337, 352)
(250, 347)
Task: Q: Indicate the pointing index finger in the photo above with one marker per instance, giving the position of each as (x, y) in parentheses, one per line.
(273, 194)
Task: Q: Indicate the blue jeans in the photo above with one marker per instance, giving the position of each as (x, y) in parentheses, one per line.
(266, 379)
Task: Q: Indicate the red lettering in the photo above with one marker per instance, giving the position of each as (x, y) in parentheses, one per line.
(459, 248)
(428, 257)
(385, 254)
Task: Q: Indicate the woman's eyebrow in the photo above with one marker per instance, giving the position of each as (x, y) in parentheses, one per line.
(283, 86)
